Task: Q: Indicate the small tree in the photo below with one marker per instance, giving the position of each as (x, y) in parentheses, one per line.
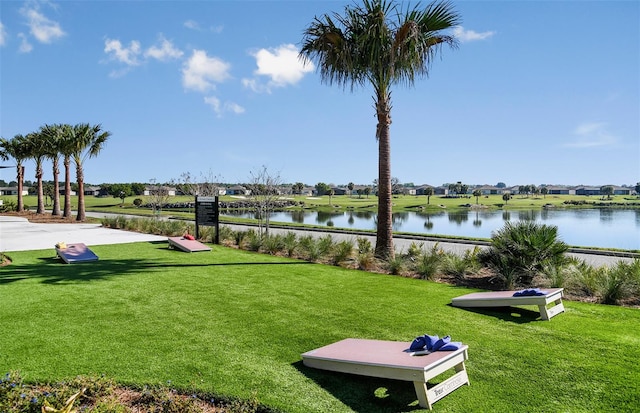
(158, 196)
(428, 191)
(264, 193)
(477, 193)
(331, 194)
(638, 188)
(544, 191)
(367, 191)
(506, 197)
(350, 186)
(607, 190)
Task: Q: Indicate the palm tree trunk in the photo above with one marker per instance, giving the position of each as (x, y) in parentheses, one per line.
(56, 188)
(39, 174)
(20, 177)
(80, 178)
(67, 187)
(384, 235)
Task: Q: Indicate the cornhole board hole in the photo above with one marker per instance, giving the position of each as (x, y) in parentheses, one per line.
(506, 299)
(187, 245)
(392, 360)
(74, 253)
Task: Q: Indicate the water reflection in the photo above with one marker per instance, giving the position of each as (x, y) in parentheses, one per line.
(614, 228)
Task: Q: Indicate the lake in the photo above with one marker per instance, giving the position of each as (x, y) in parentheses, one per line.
(605, 228)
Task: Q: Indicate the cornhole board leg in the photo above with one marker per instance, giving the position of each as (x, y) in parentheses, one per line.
(547, 313)
(427, 397)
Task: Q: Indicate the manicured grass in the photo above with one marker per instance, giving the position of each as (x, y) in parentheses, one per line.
(235, 323)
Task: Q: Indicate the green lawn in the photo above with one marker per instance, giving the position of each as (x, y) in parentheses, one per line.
(235, 323)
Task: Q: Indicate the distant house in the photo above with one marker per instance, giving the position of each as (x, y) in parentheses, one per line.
(588, 190)
(422, 189)
(238, 190)
(13, 190)
(92, 190)
(560, 190)
(441, 190)
(61, 191)
(339, 190)
(621, 190)
(490, 190)
(149, 190)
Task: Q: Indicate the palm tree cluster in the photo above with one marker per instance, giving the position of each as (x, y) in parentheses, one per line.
(71, 143)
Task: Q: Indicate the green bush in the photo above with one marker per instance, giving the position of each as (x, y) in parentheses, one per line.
(342, 251)
(428, 262)
(519, 251)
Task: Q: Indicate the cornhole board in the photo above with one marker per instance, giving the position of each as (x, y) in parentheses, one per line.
(76, 253)
(187, 245)
(392, 360)
(506, 299)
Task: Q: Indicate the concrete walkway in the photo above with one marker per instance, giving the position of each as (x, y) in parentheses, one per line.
(18, 234)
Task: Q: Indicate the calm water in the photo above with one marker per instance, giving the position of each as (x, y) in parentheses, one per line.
(606, 228)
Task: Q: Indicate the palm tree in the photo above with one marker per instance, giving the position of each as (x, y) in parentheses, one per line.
(87, 141)
(379, 44)
(477, 193)
(37, 147)
(55, 138)
(428, 191)
(16, 148)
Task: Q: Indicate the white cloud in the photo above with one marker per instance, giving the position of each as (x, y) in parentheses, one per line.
(126, 55)
(592, 134)
(280, 65)
(201, 72)
(469, 35)
(166, 51)
(191, 24)
(219, 108)
(25, 46)
(194, 25)
(43, 29)
(3, 35)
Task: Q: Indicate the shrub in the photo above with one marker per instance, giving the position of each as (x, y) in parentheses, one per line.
(253, 240)
(137, 202)
(273, 244)
(309, 247)
(364, 245)
(290, 243)
(396, 265)
(616, 283)
(325, 245)
(414, 250)
(520, 250)
(342, 251)
(429, 262)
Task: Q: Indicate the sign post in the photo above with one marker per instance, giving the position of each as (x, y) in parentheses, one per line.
(208, 214)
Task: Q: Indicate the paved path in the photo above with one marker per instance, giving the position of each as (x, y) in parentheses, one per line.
(18, 234)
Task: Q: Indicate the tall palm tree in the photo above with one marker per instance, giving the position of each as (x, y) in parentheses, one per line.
(37, 147)
(379, 44)
(16, 148)
(87, 142)
(55, 137)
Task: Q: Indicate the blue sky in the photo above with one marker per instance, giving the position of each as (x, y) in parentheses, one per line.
(537, 93)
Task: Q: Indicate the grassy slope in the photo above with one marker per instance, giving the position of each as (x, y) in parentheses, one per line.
(235, 323)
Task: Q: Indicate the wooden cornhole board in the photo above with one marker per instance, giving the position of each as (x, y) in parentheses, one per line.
(506, 299)
(392, 360)
(76, 253)
(187, 245)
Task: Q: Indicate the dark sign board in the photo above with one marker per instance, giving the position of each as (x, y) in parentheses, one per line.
(206, 210)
